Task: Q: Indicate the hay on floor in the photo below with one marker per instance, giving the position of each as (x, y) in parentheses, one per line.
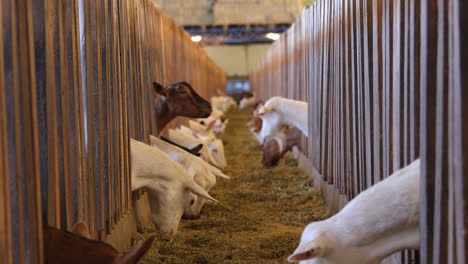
(261, 214)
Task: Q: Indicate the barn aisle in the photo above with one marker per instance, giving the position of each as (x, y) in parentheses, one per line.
(261, 213)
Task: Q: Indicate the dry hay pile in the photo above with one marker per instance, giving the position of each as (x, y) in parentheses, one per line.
(261, 214)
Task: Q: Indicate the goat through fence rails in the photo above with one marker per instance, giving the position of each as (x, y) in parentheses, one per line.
(384, 81)
(75, 84)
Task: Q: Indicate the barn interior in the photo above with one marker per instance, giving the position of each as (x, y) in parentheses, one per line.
(233, 131)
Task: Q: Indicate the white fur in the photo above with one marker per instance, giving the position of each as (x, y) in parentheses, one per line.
(377, 223)
(218, 127)
(214, 145)
(170, 187)
(279, 111)
(223, 103)
(196, 134)
(247, 102)
(203, 173)
(212, 150)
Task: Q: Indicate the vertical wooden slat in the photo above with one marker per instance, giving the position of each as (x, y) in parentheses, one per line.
(6, 246)
(91, 90)
(428, 118)
(67, 200)
(52, 144)
(458, 70)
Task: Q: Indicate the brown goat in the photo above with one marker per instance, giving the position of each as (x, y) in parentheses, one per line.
(272, 151)
(77, 248)
(178, 99)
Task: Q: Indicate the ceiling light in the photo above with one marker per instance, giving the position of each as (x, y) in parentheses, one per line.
(197, 38)
(273, 36)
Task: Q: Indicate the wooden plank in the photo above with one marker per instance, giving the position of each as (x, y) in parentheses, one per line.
(110, 129)
(75, 107)
(441, 141)
(67, 199)
(32, 171)
(460, 124)
(354, 103)
(6, 245)
(377, 87)
(102, 84)
(123, 116)
(428, 118)
(53, 207)
(91, 89)
(79, 89)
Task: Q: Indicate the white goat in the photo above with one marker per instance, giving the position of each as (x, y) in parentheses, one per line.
(201, 129)
(203, 136)
(216, 122)
(378, 222)
(203, 173)
(223, 103)
(169, 185)
(279, 111)
(247, 102)
(214, 145)
(212, 151)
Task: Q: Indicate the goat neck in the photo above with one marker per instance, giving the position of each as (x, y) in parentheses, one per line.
(293, 113)
(163, 113)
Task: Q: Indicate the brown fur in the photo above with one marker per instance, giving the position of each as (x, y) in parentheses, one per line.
(246, 95)
(271, 148)
(255, 124)
(178, 99)
(77, 248)
(255, 106)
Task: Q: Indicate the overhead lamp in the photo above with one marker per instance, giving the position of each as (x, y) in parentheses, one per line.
(273, 36)
(196, 38)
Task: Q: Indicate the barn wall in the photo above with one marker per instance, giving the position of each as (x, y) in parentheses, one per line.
(75, 85)
(383, 80)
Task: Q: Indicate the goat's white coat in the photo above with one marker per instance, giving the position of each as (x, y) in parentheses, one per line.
(223, 103)
(214, 145)
(169, 185)
(212, 150)
(279, 111)
(377, 223)
(247, 102)
(215, 120)
(203, 136)
(200, 129)
(203, 173)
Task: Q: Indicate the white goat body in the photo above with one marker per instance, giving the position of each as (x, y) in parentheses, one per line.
(378, 222)
(204, 174)
(170, 186)
(212, 151)
(223, 103)
(279, 111)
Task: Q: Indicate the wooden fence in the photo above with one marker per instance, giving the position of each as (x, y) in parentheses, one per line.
(75, 85)
(384, 82)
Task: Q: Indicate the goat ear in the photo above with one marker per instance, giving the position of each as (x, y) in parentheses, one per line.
(159, 89)
(138, 252)
(196, 149)
(306, 251)
(81, 229)
(198, 190)
(217, 172)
